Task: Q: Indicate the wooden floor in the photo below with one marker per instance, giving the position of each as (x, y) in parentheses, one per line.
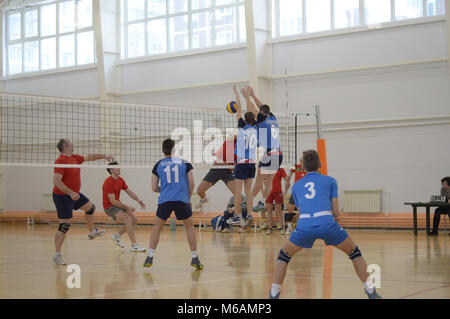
(236, 265)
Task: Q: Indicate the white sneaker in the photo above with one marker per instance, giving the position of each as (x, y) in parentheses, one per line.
(201, 202)
(58, 260)
(136, 248)
(116, 239)
(96, 233)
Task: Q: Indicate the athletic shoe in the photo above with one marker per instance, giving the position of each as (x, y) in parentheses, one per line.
(259, 207)
(136, 248)
(225, 230)
(287, 232)
(201, 202)
(242, 230)
(373, 295)
(269, 232)
(148, 262)
(58, 260)
(96, 233)
(116, 239)
(195, 262)
(236, 220)
(277, 296)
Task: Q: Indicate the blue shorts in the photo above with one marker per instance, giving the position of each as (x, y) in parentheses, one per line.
(65, 205)
(332, 234)
(181, 209)
(244, 171)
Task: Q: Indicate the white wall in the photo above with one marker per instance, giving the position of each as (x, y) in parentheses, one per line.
(380, 76)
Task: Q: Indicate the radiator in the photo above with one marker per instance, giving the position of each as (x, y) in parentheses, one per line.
(362, 201)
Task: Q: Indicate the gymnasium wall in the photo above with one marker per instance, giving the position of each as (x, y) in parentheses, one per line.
(384, 97)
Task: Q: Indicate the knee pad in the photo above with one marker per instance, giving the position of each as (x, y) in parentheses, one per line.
(64, 228)
(91, 211)
(355, 253)
(282, 256)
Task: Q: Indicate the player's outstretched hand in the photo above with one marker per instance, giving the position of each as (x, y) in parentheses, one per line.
(142, 204)
(109, 158)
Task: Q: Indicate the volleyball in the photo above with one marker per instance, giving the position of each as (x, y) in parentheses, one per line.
(231, 107)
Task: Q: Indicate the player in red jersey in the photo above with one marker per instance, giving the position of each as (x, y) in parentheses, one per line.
(67, 196)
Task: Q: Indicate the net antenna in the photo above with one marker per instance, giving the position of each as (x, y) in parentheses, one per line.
(320, 141)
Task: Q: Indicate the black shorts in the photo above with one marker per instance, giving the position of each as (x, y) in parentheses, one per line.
(65, 205)
(271, 163)
(216, 174)
(182, 210)
(244, 171)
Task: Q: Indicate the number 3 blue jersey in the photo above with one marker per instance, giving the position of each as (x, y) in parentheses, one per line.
(313, 194)
(172, 173)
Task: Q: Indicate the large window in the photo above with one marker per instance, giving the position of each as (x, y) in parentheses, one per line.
(304, 16)
(49, 35)
(152, 27)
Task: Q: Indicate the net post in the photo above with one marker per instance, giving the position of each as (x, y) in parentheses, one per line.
(321, 146)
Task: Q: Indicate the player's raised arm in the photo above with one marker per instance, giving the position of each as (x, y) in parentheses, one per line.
(251, 93)
(95, 157)
(238, 106)
(250, 106)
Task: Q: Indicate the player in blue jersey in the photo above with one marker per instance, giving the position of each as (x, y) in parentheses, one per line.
(268, 138)
(245, 150)
(316, 197)
(177, 184)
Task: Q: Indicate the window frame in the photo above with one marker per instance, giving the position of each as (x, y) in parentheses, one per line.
(124, 23)
(57, 35)
(362, 19)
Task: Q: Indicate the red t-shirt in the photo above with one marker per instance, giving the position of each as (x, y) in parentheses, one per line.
(71, 176)
(299, 173)
(226, 152)
(276, 183)
(112, 186)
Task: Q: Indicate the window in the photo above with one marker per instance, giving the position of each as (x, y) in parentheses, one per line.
(346, 13)
(304, 16)
(435, 7)
(318, 15)
(152, 27)
(408, 9)
(50, 35)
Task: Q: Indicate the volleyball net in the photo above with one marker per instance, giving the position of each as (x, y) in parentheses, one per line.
(31, 127)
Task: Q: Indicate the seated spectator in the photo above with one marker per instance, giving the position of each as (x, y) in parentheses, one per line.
(445, 191)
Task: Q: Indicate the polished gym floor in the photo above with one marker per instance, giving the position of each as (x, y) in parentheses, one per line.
(237, 265)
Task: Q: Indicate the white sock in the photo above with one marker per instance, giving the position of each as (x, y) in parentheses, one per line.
(57, 254)
(369, 287)
(194, 254)
(275, 289)
(151, 253)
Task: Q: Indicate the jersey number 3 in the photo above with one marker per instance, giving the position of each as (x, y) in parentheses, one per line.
(311, 191)
(168, 175)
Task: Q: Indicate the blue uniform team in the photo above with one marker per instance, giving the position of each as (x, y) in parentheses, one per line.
(315, 196)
